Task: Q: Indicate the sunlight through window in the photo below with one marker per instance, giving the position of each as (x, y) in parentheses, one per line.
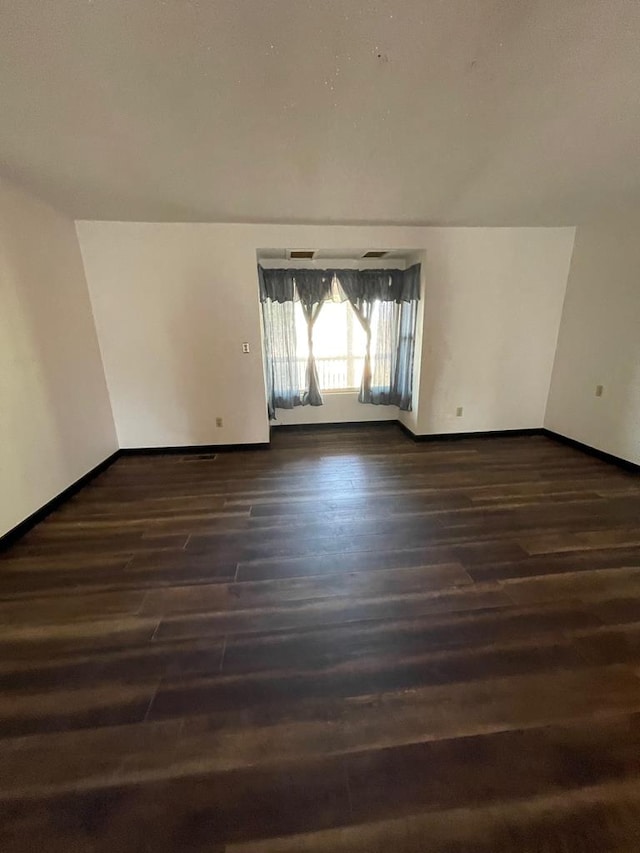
(339, 343)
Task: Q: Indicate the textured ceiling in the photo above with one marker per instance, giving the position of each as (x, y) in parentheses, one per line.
(479, 112)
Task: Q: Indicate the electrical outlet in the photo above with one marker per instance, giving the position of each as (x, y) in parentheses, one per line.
(599, 390)
(245, 347)
(218, 422)
(459, 412)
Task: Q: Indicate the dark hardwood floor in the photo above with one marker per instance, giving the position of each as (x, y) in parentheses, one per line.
(349, 643)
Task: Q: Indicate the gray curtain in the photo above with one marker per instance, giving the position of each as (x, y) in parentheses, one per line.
(279, 288)
(358, 294)
(313, 286)
(403, 370)
(281, 366)
(382, 285)
(387, 299)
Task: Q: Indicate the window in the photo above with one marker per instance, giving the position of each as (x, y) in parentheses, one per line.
(339, 343)
(372, 319)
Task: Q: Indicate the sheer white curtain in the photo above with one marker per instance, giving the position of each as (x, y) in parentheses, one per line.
(280, 347)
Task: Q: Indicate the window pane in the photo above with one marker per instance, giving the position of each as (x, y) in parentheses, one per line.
(330, 331)
(339, 345)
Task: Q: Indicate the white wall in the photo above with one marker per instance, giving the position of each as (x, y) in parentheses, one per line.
(491, 317)
(599, 343)
(338, 407)
(173, 305)
(174, 302)
(55, 416)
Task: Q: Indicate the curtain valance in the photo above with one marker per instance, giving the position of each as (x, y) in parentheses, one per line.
(317, 285)
(276, 285)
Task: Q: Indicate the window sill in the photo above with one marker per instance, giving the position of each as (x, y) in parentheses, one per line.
(336, 391)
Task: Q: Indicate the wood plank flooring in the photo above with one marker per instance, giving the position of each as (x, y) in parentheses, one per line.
(349, 642)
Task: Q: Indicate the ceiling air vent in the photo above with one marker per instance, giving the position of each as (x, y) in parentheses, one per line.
(375, 254)
(301, 254)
